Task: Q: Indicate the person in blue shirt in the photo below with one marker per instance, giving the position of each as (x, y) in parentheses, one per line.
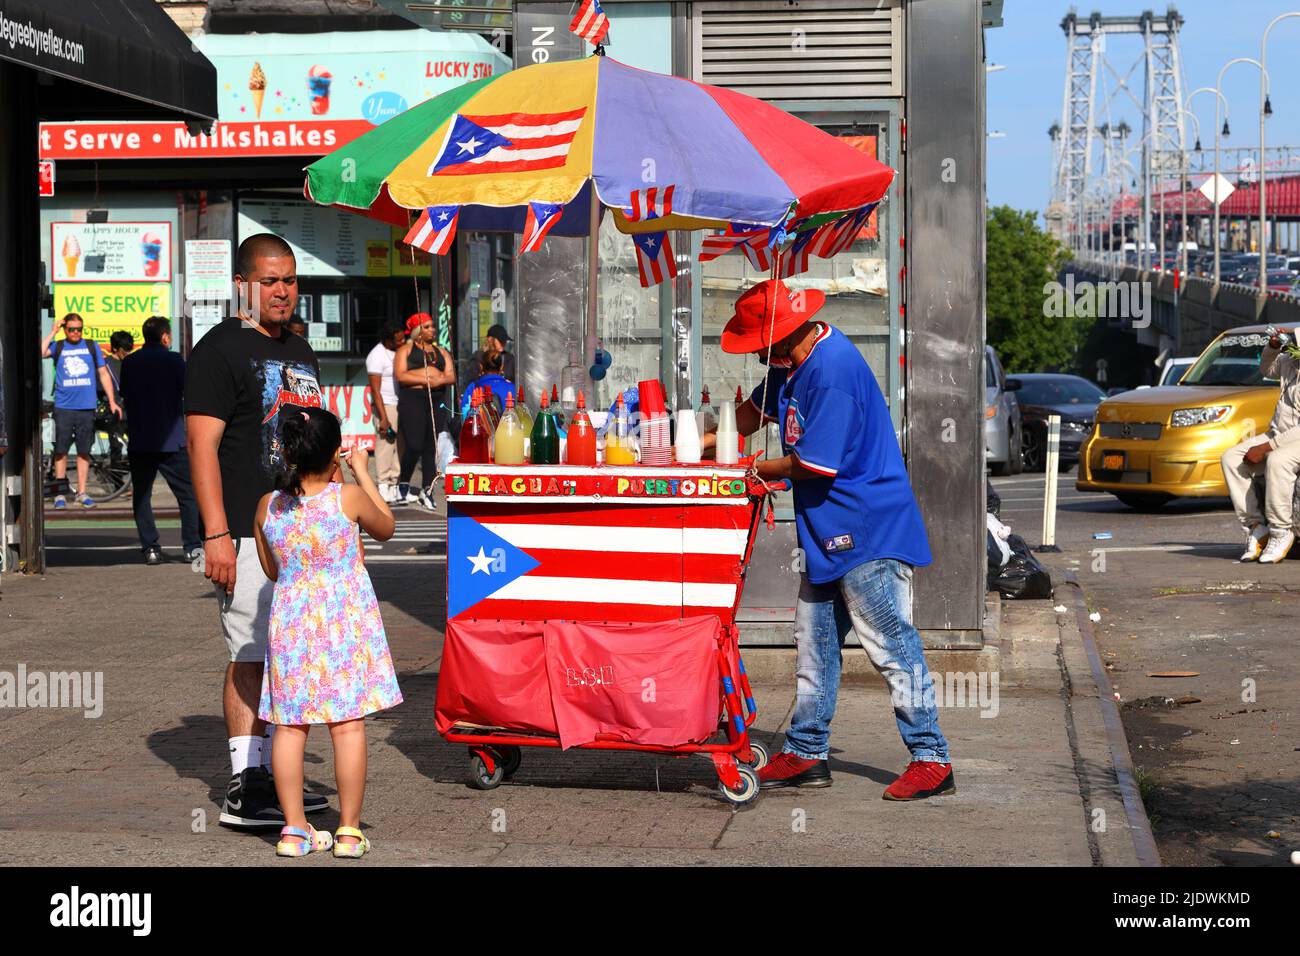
(490, 366)
(152, 383)
(77, 363)
(859, 527)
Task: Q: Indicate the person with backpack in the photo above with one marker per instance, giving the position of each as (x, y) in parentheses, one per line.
(78, 362)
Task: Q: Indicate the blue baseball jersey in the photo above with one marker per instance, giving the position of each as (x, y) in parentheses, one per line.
(835, 423)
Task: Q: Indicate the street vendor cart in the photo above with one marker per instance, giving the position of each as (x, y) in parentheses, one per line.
(596, 608)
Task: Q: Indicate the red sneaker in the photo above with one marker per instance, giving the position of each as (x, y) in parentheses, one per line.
(790, 770)
(921, 779)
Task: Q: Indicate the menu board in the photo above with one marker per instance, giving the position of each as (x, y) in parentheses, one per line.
(325, 241)
(111, 251)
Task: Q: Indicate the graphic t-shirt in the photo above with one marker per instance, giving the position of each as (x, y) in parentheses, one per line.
(379, 362)
(835, 422)
(247, 379)
(76, 370)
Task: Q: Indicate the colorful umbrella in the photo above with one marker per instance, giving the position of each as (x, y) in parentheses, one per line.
(663, 152)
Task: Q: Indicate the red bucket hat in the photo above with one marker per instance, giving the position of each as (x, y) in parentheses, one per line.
(749, 327)
(417, 320)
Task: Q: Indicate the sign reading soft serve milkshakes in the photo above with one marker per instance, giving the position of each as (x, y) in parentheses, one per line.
(293, 94)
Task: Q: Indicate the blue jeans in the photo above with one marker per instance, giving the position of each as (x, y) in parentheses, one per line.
(874, 601)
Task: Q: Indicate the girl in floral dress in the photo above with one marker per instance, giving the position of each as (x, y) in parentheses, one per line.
(327, 659)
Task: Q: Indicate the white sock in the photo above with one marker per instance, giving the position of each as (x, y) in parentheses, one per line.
(266, 747)
(245, 752)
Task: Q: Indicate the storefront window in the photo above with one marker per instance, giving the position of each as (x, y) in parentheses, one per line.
(628, 318)
(856, 283)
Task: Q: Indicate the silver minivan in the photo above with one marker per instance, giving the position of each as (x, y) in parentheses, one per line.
(1002, 429)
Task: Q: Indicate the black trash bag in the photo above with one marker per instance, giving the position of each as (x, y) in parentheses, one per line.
(992, 500)
(994, 554)
(1022, 578)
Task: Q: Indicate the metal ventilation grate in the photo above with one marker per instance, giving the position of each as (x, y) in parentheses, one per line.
(805, 49)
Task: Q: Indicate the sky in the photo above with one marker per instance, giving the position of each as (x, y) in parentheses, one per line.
(1027, 97)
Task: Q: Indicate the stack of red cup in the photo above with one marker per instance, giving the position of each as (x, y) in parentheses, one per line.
(656, 433)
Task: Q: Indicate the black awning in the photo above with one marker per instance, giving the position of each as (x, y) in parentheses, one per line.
(128, 47)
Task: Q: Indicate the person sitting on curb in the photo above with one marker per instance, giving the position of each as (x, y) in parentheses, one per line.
(1275, 454)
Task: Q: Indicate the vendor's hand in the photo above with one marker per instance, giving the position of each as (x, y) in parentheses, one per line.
(219, 562)
(381, 425)
(1257, 453)
(113, 407)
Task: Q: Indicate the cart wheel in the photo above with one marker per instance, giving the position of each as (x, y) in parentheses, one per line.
(479, 778)
(748, 791)
(760, 756)
(511, 758)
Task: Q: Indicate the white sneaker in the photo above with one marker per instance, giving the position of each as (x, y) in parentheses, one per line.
(1279, 543)
(1255, 542)
(426, 501)
(386, 492)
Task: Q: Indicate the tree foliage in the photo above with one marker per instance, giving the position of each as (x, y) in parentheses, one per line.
(1021, 260)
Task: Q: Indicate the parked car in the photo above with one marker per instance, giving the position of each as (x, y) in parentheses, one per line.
(1002, 426)
(1042, 394)
(1173, 370)
(1153, 445)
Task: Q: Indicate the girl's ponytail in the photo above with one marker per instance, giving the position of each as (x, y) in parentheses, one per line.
(309, 437)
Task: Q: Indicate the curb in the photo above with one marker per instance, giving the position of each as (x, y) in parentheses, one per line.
(1121, 758)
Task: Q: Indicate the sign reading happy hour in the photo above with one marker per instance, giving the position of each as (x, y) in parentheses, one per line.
(111, 251)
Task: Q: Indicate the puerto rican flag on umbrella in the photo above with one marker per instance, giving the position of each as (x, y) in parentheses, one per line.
(590, 22)
(795, 259)
(508, 143)
(655, 261)
(541, 217)
(434, 230)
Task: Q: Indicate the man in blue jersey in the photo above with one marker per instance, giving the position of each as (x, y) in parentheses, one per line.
(859, 529)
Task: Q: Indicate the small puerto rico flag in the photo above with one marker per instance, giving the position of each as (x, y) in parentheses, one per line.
(434, 230)
(651, 203)
(590, 22)
(541, 217)
(654, 258)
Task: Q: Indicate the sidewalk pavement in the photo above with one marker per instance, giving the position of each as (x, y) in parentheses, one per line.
(142, 784)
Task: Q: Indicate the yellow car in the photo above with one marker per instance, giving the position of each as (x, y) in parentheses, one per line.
(1151, 445)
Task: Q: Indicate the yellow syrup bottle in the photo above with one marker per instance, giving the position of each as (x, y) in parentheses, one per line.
(619, 446)
(508, 441)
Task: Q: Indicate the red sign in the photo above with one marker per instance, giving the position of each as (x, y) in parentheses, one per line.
(46, 172)
(173, 140)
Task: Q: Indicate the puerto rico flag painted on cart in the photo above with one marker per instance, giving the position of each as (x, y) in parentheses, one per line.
(586, 562)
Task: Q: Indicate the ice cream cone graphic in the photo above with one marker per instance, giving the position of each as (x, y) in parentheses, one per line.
(257, 86)
(151, 251)
(71, 254)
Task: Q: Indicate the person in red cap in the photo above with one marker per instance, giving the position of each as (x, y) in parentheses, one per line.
(422, 370)
(859, 528)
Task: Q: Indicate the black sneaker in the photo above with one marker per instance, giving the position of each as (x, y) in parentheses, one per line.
(153, 556)
(250, 802)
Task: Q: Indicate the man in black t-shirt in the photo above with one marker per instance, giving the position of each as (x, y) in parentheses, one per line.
(243, 375)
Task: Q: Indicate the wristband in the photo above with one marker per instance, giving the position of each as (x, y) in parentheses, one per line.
(214, 537)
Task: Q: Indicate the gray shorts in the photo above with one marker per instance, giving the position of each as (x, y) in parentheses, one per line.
(74, 426)
(246, 614)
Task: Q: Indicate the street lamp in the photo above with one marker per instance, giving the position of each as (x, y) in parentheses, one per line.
(1183, 182)
(1265, 111)
(1218, 134)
